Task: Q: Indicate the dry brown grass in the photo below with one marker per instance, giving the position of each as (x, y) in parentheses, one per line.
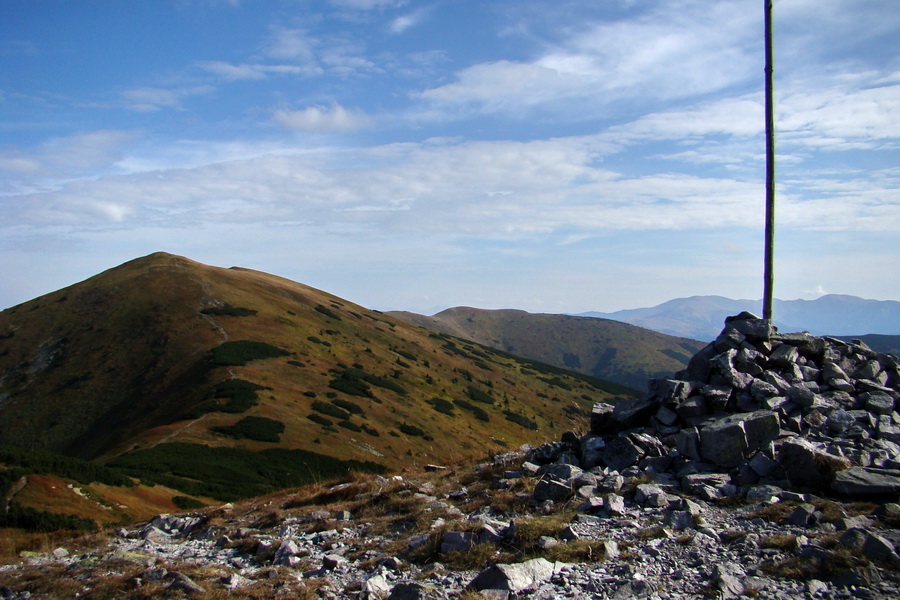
(15, 541)
(477, 557)
(774, 513)
(732, 535)
(837, 560)
(779, 541)
(530, 530)
(577, 551)
(652, 533)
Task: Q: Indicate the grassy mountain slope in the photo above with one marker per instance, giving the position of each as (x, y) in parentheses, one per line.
(602, 348)
(163, 355)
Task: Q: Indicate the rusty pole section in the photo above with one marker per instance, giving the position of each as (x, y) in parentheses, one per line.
(768, 272)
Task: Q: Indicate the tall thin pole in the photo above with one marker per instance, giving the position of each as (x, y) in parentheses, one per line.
(768, 273)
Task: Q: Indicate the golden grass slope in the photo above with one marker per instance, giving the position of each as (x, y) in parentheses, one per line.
(117, 362)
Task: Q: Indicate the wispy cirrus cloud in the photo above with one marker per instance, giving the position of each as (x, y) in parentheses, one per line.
(693, 52)
(249, 71)
(293, 44)
(152, 99)
(477, 190)
(320, 119)
(63, 158)
(408, 21)
(367, 4)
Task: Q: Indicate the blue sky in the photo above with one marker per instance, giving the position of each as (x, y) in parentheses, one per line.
(562, 156)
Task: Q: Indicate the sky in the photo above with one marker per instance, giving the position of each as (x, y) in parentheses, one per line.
(560, 157)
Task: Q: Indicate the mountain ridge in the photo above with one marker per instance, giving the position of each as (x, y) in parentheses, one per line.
(153, 363)
(700, 317)
(604, 348)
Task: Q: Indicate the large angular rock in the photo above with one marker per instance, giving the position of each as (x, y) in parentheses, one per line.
(620, 453)
(592, 451)
(860, 481)
(633, 413)
(416, 591)
(601, 418)
(698, 368)
(696, 406)
(762, 427)
(457, 541)
(551, 488)
(515, 577)
(723, 442)
(674, 390)
(808, 467)
(723, 364)
(751, 326)
(809, 345)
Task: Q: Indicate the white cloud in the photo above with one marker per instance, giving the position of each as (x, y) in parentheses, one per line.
(62, 159)
(291, 44)
(235, 72)
(676, 50)
(310, 55)
(737, 117)
(319, 119)
(152, 99)
(367, 4)
(489, 190)
(840, 118)
(407, 21)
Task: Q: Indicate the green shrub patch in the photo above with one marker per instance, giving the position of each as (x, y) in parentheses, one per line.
(411, 430)
(48, 463)
(240, 352)
(239, 395)
(350, 385)
(556, 382)
(442, 406)
(355, 382)
(331, 410)
(260, 429)
(31, 519)
(229, 474)
(187, 503)
(350, 407)
(520, 420)
(230, 311)
(479, 395)
(328, 312)
(316, 418)
(478, 412)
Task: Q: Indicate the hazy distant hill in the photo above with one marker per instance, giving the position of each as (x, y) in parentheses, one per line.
(701, 317)
(229, 382)
(603, 348)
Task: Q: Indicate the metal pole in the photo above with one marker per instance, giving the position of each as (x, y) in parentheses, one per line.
(768, 273)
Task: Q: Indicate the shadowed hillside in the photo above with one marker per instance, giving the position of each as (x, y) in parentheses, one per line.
(607, 349)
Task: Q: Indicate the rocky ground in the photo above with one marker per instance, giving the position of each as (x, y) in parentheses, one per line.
(769, 469)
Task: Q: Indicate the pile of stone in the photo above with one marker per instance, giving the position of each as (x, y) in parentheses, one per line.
(754, 408)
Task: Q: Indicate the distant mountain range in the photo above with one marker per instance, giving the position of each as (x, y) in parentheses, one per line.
(702, 317)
